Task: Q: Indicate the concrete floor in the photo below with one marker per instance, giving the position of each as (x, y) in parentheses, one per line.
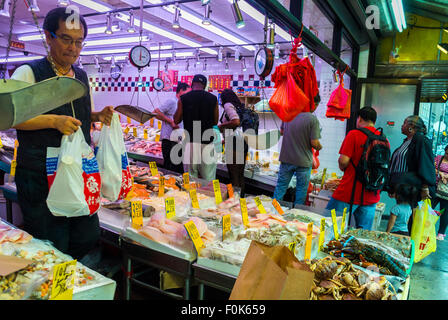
(429, 277)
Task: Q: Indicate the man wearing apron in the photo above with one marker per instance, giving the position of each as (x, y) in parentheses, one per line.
(76, 236)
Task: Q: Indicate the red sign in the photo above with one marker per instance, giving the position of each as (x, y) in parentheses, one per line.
(187, 79)
(17, 44)
(220, 82)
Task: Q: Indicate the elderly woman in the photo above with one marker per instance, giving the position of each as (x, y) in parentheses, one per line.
(413, 162)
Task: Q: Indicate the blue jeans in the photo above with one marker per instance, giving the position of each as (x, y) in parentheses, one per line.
(364, 215)
(284, 178)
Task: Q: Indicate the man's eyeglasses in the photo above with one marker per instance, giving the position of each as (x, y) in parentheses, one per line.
(68, 41)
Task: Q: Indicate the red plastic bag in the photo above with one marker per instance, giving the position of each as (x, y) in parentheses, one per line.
(316, 162)
(339, 114)
(288, 99)
(339, 98)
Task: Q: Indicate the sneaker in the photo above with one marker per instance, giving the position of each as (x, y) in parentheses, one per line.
(440, 237)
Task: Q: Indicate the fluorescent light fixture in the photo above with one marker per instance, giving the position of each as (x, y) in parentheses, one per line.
(443, 47)
(5, 10)
(153, 56)
(397, 16)
(277, 51)
(147, 26)
(387, 14)
(63, 3)
(205, 1)
(214, 29)
(121, 50)
(243, 64)
(206, 20)
(108, 24)
(220, 54)
(109, 41)
(34, 7)
(237, 54)
(20, 59)
(402, 14)
(131, 28)
(176, 24)
(239, 21)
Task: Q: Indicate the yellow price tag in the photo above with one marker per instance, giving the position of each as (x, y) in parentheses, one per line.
(194, 198)
(151, 122)
(170, 208)
(128, 120)
(153, 168)
(226, 225)
(1, 144)
(217, 190)
(309, 241)
(194, 235)
(159, 125)
(136, 214)
(259, 205)
(161, 186)
(63, 281)
(145, 134)
(230, 190)
(12, 172)
(244, 215)
(323, 179)
(186, 178)
(134, 132)
(335, 224)
(344, 216)
(157, 137)
(277, 207)
(322, 234)
(292, 247)
(16, 145)
(126, 131)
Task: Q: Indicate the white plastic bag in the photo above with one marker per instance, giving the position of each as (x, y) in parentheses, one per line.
(113, 162)
(75, 190)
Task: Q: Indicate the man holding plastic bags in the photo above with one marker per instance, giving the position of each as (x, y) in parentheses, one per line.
(76, 235)
(424, 230)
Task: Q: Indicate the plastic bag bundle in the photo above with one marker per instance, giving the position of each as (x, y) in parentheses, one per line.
(339, 105)
(423, 230)
(74, 181)
(113, 162)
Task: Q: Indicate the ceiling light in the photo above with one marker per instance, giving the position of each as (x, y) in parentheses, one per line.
(271, 36)
(387, 15)
(443, 47)
(445, 29)
(197, 57)
(277, 51)
(237, 54)
(131, 28)
(20, 59)
(397, 16)
(63, 3)
(108, 24)
(205, 2)
(176, 24)
(112, 62)
(121, 50)
(5, 10)
(108, 41)
(402, 14)
(206, 20)
(220, 54)
(34, 7)
(243, 64)
(153, 56)
(97, 64)
(239, 21)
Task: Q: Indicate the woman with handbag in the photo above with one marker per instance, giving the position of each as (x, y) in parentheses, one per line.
(441, 163)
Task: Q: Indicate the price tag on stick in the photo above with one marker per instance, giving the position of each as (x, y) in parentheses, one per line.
(244, 215)
(194, 199)
(145, 134)
(230, 190)
(217, 190)
(193, 232)
(323, 179)
(292, 247)
(344, 216)
(186, 178)
(153, 168)
(63, 281)
(322, 234)
(335, 224)
(226, 225)
(136, 214)
(277, 207)
(259, 205)
(170, 208)
(161, 186)
(309, 241)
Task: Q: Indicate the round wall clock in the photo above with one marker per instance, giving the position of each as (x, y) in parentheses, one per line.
(139, 56)
(158, 84)
(264, 61)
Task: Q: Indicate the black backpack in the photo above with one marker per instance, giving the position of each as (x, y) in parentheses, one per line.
(248, 118)
(373, 167)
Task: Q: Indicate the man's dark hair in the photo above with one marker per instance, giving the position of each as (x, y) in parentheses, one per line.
(181, 86)
(367, 114)
(227, 95)
(51, 22)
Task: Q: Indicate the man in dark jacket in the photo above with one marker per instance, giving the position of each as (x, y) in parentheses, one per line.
(74, 236)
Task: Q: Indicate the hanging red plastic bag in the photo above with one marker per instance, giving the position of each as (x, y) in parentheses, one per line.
(339, 105)
(339, 98)
(316, 162)
(113, 162)
(75, 188)
(288, 99)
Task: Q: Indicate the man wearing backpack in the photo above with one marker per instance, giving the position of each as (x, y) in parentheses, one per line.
(364, 158)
